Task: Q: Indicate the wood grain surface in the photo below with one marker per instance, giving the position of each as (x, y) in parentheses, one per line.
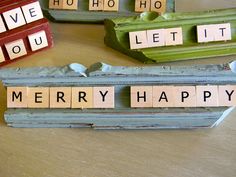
(90, 153)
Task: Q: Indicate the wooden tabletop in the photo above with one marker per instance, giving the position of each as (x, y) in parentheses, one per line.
(91, 153)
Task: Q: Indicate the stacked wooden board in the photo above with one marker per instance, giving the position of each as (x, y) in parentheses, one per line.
(119, 114)
(23, 30)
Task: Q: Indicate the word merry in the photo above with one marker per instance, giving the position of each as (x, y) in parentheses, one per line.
(183, 96)
(174, 36)
(60, 97)
(20, 16)
(150, 5)
(94, 5)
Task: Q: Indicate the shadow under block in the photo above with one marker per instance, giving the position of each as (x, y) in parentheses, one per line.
(104, 77)
(193, 25)
(27, 40)
(125, 8)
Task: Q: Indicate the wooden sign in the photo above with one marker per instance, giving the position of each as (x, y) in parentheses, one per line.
(94, 11)
(103, 96)
(27, 31)
(181, 36)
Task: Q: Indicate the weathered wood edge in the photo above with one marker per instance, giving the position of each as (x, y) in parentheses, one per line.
(117, 35)
(162, 119)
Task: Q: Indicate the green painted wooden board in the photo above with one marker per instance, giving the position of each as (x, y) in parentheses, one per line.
(126, 8)
(122, 116)
(117, 35)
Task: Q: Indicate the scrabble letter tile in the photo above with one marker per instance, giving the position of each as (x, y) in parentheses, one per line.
(163, 96)
(82, 97)
(14, 18)
(223, 32)
(227, 95)
(2, 25)
(16, 49)
(111, 5)
(138, 39)
(55, 4)
(70, 4)
(142, 5)
(95, 5)
(2, 57)
(60, 97)
(38, 97)
(174, 36)
(38, 40)
(185, 96)
(141, 96)
(207, 96)
(103, 97)
(32, 12)
(156, 38)
(17, 97)
(205, 33)
(158, 6)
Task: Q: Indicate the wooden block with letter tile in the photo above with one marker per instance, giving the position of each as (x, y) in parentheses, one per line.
(82, 97)
(227, 95)
(158, 6)
(60, 97)
(207, 96)
(111, 5)
(163, 96)
(17, 97)
(141, 96)
(104, 97)
(38, 97)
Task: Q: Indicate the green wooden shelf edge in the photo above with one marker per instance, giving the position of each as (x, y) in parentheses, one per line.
(126, 8)
(117, 35)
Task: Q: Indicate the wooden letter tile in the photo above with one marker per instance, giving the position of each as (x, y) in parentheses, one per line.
(38, 97)
(60, 97)
(2, 25)
(103, 97)
(82, 97)
(2, 57)
(141, 96)
(95, 5)
(38, 40)
(207, 96)
(138, 39)
(32, 12)
(156, 38)
(70, 4)
(222, 32)
(142, 5)
(163, 96)
(111, 5)
(55, 4)
(158, 6)
(14, 18)
(227, 95)
(185, 96)
(205, 33)
(173, 36)
(17, 97)
(16, 49)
